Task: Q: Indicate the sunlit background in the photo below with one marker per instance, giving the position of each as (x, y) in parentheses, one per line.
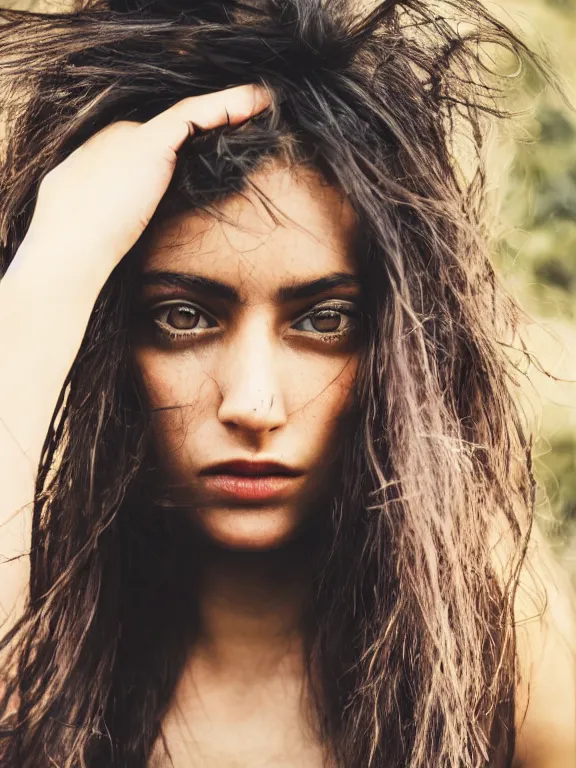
(536, 255)
(533, 172)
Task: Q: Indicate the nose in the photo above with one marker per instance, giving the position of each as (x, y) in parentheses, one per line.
(252, 397)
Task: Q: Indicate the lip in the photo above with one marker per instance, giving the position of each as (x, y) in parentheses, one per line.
(246, 468)
(242, 480)
(244, 488)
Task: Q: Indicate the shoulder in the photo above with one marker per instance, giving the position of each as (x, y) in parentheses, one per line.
(545, 624)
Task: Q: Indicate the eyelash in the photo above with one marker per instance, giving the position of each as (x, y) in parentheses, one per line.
(329, 337)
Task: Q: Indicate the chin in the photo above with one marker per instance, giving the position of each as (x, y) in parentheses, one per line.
(250, 529)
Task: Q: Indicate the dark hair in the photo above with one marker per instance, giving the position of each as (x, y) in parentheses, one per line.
(411, 625)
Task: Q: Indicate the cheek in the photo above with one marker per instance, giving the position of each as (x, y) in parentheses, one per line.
(334, 403)
(320, 388)
(170, 379)
(178, 392)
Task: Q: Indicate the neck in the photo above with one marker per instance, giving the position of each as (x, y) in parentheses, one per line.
(250, 608)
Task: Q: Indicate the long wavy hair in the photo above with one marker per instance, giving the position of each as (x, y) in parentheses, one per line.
(411, 624)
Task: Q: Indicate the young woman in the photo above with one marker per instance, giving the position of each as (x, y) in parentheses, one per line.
(265, 492)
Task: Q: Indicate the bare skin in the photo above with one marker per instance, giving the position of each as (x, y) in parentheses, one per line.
(71, 218)
(240, 701)
(257, 381)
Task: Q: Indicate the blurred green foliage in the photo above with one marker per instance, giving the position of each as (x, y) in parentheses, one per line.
(537, 250)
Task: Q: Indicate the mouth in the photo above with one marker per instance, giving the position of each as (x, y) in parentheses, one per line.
(250, 480)
(251, 469)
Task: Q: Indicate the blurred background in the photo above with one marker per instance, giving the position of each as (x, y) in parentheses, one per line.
(533, 177)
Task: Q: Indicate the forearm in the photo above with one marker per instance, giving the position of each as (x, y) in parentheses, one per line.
(45, 305)
(46, 300)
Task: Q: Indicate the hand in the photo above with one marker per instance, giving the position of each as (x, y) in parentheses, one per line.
(95, 204)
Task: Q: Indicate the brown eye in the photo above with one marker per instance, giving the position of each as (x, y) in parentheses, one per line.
(182, 317)
(330, 321)
(181, 320)
(326, 320)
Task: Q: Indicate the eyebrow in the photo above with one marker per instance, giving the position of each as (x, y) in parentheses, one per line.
(297, 291)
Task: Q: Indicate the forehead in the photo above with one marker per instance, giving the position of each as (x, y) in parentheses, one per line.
(308, 231)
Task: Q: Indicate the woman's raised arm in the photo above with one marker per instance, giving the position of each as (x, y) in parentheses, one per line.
(91, 209)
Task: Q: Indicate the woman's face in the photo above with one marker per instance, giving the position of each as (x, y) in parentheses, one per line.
(247, 343)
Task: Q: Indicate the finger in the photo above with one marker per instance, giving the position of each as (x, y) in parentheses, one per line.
(210, 110)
